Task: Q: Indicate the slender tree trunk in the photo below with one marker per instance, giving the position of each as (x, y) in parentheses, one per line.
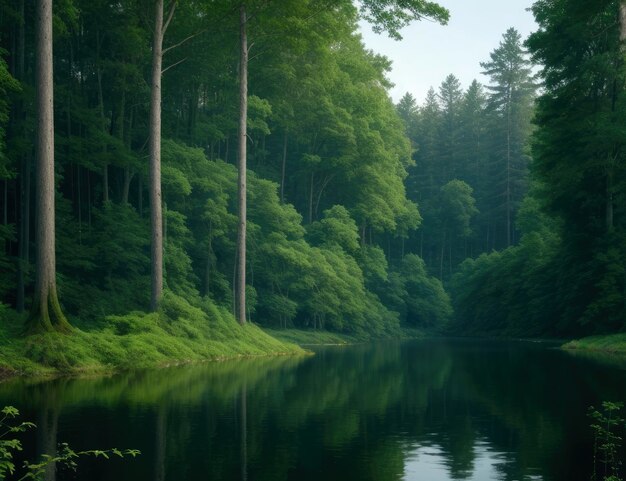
(140, 194)
(443, 245)
(105, 167)
(311, 197)
(23, 247)
(5, 213)
(243, 116)
(156, 215)
(46, 311)
(284, 164)
(508, 176)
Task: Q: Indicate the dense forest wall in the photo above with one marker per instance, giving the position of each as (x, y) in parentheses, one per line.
(359, 211)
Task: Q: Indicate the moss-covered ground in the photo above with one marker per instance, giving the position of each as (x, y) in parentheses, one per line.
(179, 333)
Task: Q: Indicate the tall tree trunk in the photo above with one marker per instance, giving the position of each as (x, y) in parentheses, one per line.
(284, 164)
(508, 176)
(105, 167)
(23, 246)
(243, 118)
(46, 311)
(156, 215)
(443, 246)
(311, 197)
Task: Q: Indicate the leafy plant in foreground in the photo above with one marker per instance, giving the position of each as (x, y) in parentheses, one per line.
(606, 426)
(9, 445)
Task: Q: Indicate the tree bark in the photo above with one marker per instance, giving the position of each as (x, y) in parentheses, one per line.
(105, 167)
(46, 311)
(23, 246)
(243, 118)
(156, 215)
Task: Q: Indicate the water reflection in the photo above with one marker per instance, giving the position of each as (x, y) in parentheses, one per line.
(430, 410)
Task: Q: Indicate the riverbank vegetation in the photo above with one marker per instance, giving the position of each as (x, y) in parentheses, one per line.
(179, 334)
(613, 343)
(215, 163)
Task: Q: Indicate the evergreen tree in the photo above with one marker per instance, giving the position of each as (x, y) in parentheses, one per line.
(510, 103)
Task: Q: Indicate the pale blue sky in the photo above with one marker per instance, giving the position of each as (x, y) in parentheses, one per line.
(429, 52)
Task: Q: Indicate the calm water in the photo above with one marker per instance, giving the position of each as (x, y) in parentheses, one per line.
(424, 410)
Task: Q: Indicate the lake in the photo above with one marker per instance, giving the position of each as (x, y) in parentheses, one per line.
(426, 410)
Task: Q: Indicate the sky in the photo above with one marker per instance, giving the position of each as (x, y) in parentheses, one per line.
(429, 51)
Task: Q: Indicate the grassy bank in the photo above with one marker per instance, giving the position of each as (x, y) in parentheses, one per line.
(309, 337)
(613, 343)
(179, 333)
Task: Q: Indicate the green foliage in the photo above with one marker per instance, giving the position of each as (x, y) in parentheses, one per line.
(607, 426)
(427, 303)
(11, 426)
(336, 228)
(391, 15)
(578, 156)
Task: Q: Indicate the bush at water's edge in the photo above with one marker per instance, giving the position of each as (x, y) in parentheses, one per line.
(615, 343)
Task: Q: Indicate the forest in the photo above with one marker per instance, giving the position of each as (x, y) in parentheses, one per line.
(196, 163)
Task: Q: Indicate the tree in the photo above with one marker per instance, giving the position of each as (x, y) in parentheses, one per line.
(510, 102)
(156, 215)
(455, 209)
(578, 155)
(46, 313)
(243, 143)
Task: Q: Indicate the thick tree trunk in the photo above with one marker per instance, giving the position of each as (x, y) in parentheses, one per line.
(243, 117)
(46, 311)
(156, 216)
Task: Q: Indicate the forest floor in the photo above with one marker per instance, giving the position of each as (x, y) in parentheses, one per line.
(612, 343)
(179, 334)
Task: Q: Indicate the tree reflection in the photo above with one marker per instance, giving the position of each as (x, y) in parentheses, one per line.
(362, 412)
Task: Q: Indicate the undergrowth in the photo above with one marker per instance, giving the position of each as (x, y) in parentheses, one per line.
(178, 333)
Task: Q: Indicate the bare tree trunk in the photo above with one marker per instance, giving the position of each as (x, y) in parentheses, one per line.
(46, 311)
(23, 246)
(508, 176)
(128, 177)
(243, 116)
(156, 215)
(311, 198)
(443, 245)
(284, 164)
(105, 167)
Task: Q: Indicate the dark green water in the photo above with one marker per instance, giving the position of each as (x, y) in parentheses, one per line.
(424, 410)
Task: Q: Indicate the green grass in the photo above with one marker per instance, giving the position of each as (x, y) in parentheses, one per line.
(309, 337)
(613, 343)
(179, 333)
